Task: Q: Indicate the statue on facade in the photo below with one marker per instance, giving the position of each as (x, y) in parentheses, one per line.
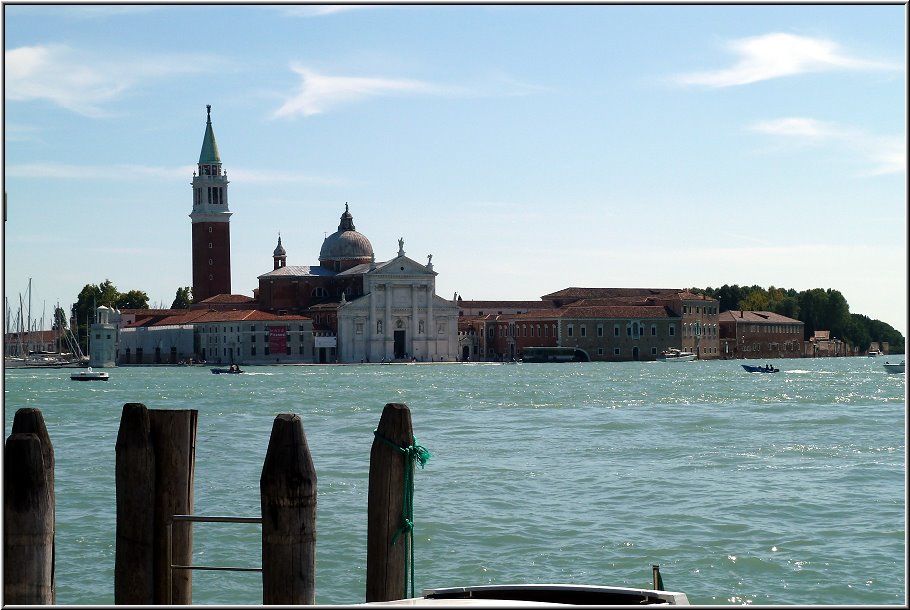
(401, 246)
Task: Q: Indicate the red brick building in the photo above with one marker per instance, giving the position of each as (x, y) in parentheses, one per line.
(760, 335)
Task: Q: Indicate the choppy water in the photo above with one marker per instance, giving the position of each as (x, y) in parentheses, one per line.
(745, 488)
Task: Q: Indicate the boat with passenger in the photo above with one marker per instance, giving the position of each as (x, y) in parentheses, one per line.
(894, 367)
(752, 368)
(232, 370)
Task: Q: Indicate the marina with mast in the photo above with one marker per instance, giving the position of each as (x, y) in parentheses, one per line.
(27, 343)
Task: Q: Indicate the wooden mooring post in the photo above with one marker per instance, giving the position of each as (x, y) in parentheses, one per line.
(28, 512)
(387, 562)
(287, 489)
(156, 456)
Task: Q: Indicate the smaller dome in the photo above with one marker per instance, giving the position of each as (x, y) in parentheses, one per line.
(279, 251)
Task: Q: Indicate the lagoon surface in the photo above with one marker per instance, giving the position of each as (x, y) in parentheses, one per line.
(745, 488)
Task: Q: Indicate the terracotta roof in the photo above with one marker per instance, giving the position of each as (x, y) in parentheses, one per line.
(242, 315)
(758, 317)
(594, 293)
(624, 312)
(464, 304)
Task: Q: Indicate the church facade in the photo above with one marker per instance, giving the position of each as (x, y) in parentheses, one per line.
(364, 310)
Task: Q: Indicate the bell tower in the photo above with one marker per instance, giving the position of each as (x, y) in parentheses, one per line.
(211, 219)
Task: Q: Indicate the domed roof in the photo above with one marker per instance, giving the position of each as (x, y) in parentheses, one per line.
(279, 251)
(346, 243)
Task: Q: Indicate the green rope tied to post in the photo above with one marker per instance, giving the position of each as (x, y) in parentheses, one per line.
(413, 453)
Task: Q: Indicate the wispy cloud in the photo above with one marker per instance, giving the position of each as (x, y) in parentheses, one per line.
(321, 10)
(84, 82)
(62, 171)
(886, 155)
(777, 55)
(319, 92)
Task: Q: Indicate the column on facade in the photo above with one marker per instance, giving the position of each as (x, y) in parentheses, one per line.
(414, 324)
(387, 324)
(371, 325)
(431, 324)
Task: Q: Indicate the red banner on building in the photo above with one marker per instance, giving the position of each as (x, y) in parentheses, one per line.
(278, 339)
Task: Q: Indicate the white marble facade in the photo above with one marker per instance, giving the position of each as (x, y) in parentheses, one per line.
(399, 317)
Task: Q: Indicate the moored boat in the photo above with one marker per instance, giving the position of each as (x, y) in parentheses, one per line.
(541, 595)
(90, 375)
(760, 369)
(676, 355)
(894, 367)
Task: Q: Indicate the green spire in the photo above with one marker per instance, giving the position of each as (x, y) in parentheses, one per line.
(209, 154)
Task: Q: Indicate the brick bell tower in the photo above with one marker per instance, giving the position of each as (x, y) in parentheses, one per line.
(211, 219)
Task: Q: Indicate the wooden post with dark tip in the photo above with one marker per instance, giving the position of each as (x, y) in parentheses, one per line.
(173, 437)
(386, 562)
(134, 565)
(31, 420)
(287, 490)
(28, 523)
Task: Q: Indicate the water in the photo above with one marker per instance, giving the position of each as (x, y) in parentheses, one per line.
(745, 488)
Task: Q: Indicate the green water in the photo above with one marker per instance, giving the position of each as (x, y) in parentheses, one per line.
(745, 488)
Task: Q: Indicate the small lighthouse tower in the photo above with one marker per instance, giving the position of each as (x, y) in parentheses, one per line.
(211, 219)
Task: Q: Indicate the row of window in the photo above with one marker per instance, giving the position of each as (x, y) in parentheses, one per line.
(708, 310)
(699, 330)
(772, 328)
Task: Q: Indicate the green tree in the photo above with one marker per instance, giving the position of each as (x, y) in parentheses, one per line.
(134, 299)
(183, 298)
(91, 297)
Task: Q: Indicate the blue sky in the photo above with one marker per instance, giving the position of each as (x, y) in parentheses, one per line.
(527, 148)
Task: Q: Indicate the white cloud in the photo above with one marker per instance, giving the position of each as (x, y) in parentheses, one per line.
(58, 171)
(887, 155)
(319, 92)
(776, 55)
(321, 10)
(82, 82)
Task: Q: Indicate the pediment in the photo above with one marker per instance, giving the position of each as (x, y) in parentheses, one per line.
(402, 265)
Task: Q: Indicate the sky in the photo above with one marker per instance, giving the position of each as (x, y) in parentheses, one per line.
(528, 148)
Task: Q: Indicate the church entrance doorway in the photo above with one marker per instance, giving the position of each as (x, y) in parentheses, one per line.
(399, 344)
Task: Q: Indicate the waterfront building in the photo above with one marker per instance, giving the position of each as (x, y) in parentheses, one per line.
(210, 217)
(237, 336)
(607, 324)
(760, 335)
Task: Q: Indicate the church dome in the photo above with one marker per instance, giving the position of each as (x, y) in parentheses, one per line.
(346, 244)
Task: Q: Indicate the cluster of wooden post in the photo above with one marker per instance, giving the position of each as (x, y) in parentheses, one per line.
(155, 462)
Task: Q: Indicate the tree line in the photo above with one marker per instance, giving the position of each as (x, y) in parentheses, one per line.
(93, 296)
(817, 309)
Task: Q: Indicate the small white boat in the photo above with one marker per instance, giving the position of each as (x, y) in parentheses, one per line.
(894, 368)
(90, 375)
(676, 355)
(872, 353)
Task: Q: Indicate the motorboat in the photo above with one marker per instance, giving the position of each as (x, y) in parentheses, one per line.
(90, 375)
(233, 370)
(676, 355)
(894, 367)
(760, 369)
(872, 353)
